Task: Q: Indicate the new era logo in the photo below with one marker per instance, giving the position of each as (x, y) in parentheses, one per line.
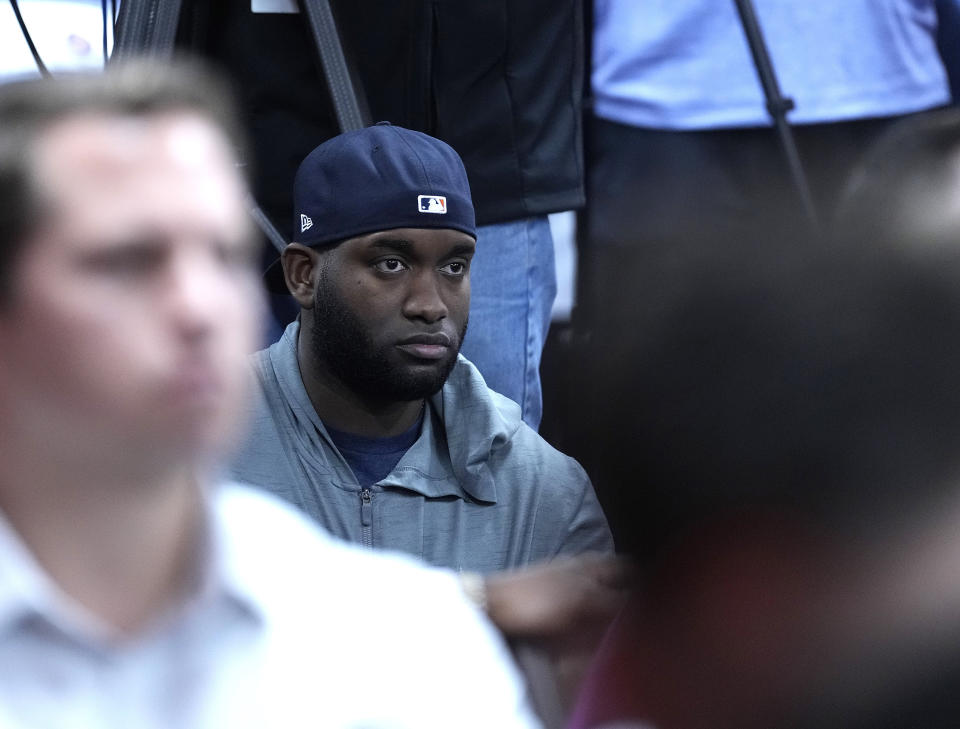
(432, 204)
(305, 222)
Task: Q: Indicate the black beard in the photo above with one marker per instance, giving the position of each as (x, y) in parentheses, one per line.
(341, 342)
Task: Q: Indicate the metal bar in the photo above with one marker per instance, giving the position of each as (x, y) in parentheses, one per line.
(334, 64)
(266, 225)
(41, 66)
(777, 105)
(146, 27)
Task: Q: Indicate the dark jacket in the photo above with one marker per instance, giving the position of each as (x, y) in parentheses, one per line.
(499, 80)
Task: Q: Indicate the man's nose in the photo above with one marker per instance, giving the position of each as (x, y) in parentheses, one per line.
(424, 298)
(193, 296)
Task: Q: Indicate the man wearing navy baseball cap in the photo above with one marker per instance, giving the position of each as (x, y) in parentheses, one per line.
(369, 202)
(369, 419)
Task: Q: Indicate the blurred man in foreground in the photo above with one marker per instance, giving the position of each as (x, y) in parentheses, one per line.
(135, 591)
(792, 415)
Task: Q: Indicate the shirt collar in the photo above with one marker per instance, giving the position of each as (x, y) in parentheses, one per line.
(224, 574)
(239, 568)
(26, 590)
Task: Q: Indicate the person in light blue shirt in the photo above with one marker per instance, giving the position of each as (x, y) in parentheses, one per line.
(681, 146)
(687, 65)
(681, 141)
(681, 137)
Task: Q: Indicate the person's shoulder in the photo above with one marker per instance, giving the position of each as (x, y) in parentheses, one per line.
(259, 360)
(466, 380)
(266, 532)
(267, 393)
(340, 618)
(529, 447)
(489, 416)
(303, 576)
(263, 361)
(466, 394)
(263, 524)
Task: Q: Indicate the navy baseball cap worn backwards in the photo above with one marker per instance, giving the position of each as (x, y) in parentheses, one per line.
(378, 178)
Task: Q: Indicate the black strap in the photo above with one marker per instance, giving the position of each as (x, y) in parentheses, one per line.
(777, 105)
(150, 27)
(266, 225)
(29, 39)
(146, 27)
(351, 114)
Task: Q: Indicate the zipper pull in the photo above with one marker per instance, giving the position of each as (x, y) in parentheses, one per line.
(366, 507)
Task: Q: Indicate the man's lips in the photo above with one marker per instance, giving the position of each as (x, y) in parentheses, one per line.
(426, 346)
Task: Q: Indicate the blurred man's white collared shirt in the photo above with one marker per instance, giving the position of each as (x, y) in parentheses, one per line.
(286, 628)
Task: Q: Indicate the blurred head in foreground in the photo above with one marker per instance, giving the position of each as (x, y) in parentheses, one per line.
(782, 422)
(134, 583)
(127, 298)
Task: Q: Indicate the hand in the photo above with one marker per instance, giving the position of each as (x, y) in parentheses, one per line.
(558, 600)
(562, 608)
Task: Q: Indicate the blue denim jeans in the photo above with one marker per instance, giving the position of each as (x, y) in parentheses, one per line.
(513, 284)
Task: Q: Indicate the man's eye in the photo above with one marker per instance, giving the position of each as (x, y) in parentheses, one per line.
(455, 268)
(132, 261)
(389, 265)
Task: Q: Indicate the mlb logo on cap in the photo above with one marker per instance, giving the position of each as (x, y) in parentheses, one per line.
(432, 204)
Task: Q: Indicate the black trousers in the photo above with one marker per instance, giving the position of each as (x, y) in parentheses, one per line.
(648, 190)
(648, 187)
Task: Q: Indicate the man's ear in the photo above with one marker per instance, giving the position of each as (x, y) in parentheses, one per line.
(299, 266)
